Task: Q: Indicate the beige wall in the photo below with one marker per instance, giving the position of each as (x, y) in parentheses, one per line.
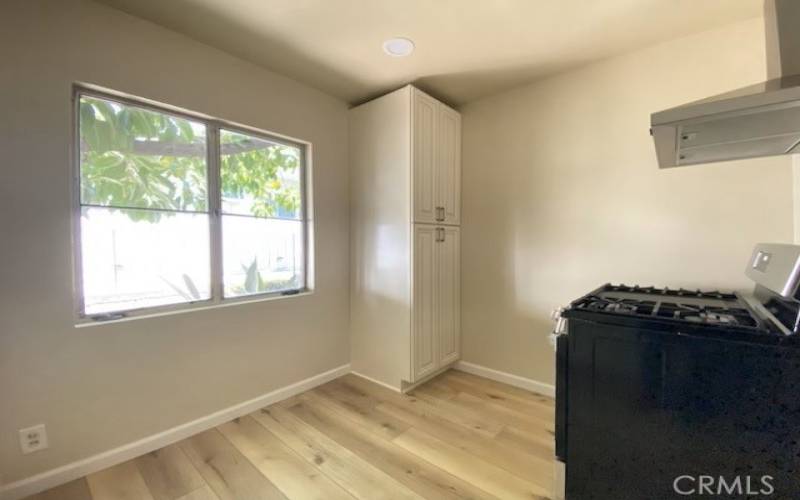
(100, 387)
(561, 194)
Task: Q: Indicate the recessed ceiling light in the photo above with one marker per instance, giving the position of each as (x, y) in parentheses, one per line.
(398, 47)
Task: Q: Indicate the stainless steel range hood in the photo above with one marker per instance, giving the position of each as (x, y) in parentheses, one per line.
(760, 120)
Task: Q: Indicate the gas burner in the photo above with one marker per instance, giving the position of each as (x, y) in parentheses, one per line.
(619, 305)
(709, 317)
(718, 316)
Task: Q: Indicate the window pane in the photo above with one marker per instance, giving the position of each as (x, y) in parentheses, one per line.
(141, 258)
(261, 255)
(134, 157)
(259, 177)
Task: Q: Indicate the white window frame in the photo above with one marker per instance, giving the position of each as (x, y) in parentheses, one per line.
(213, 165)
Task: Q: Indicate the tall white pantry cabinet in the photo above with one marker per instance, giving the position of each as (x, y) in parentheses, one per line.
(405, 190)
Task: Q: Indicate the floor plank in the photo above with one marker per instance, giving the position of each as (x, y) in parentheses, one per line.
(121, 482)
(74, 490)
(416, 473)
(458, 436)
(227, 472)
(460, 413)
(169, 473)
(542, 446)
(295, 477)
(468, 467)
(499, 390)
(438, 389)
(519, 462)
(513, 459)
(357, 476)
(362, 411)
(204, 493)
(502, 414)
(442, 409)
(529, 405)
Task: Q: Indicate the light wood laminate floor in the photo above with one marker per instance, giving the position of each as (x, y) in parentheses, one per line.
(457, 436)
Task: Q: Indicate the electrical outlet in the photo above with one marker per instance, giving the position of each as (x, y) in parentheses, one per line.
(33, 439)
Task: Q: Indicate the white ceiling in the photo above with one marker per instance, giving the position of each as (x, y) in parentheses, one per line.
(466, 49)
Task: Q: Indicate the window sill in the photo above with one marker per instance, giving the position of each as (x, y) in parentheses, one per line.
(189, 308)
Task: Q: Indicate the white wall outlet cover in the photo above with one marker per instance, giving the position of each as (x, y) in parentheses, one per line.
(33, 438)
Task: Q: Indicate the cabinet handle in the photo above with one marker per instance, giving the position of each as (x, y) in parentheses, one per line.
(439, 214)
(439, 234)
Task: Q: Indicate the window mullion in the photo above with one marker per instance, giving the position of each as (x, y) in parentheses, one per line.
(215, 212)
(305, 216)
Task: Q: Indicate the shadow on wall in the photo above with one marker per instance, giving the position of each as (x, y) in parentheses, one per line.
(504, 326)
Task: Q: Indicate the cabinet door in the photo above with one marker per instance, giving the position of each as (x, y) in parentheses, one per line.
(425, 111)
(448, 265)
(448, 168)
(424, 347)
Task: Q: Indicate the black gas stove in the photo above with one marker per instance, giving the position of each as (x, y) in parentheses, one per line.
(673, 308)
(657, 387)
(709, 308)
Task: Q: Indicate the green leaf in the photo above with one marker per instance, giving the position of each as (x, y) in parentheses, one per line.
(108, 159)
(112, 174)
(186, 130)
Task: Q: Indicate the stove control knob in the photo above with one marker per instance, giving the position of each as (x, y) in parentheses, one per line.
(560, 327)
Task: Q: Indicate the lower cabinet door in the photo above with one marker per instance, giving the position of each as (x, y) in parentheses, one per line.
(448, 300)
(424, 349)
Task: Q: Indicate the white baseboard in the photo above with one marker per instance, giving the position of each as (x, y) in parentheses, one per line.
(548, 390)
(64, 474)
(405, 386)
(376, 381)
(408, 387)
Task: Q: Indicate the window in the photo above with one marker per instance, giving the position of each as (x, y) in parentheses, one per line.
(262, 224)
(176, 209)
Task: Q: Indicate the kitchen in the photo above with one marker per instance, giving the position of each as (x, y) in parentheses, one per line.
(560, 192)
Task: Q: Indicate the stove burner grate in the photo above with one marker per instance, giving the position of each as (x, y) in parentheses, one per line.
(700, 294)
(715, 313)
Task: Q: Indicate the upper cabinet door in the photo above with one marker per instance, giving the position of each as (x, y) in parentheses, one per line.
(448, 146)
(424, 128)
(448, 294)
